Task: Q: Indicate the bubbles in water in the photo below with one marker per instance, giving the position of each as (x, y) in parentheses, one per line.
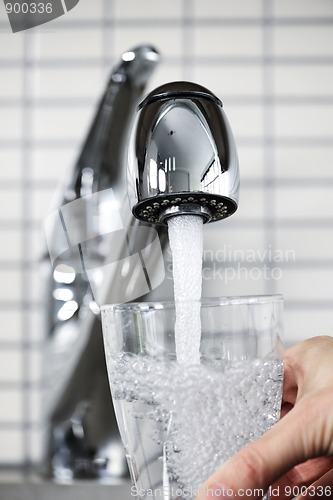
(205, 413)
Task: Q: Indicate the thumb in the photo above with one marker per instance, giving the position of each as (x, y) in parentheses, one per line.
(261, 463)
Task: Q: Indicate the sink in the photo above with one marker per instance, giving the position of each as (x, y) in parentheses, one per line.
(19, 486)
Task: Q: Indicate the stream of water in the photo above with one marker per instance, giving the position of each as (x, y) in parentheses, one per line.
(186, 243)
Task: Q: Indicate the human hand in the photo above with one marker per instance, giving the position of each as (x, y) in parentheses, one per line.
(297, 452)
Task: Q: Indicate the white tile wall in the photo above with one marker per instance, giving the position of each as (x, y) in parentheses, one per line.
(85, 12)
(167, 38)
(305, 41)
(11, 83)
(304, 203)
(70, 44)
(10, 285)
(56, 123)
(11, 122)
(310, 285)
(10, 161)
(11, 205)
(231, 41)
(151, 9)
(13, 51)
(306, 121)
(10, 248)
(234, 81)
(321, 243)
(310, 325)
(224, 9)
(36, 330)
(11, 407)
(10, 366)
(36, 285)
(235, 240)
(303, 8)
(246, 120)
(306, 162)
(252, 160)
(271, 63)
(71, 83)
(52, 163)
(251, 205)
(41, 203)
(11, 325)
(12, 449)
(303, 81)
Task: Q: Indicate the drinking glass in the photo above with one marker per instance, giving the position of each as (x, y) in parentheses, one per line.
(180, 421)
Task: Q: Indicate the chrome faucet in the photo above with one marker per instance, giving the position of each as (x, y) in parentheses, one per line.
(182, 160)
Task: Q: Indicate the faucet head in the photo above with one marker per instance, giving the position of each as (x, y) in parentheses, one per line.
(183, 158)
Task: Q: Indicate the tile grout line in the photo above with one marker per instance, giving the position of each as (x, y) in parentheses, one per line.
(268, 125)
(26, 245)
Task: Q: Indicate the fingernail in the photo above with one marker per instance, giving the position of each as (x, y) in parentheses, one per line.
(218, 492)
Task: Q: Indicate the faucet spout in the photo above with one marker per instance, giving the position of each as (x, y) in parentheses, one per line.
(184, 158)
(104, 150)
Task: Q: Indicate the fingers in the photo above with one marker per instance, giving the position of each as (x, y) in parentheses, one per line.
(304, 432)
(261, 463)
(309, 471)
(300, 477)
(286, 407)
(302, 372)
(323, 488)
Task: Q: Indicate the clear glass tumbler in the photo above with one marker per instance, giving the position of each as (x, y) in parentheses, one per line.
(179, 422)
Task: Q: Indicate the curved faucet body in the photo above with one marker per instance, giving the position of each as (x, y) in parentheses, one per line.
(184, 158)
(82, 439)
